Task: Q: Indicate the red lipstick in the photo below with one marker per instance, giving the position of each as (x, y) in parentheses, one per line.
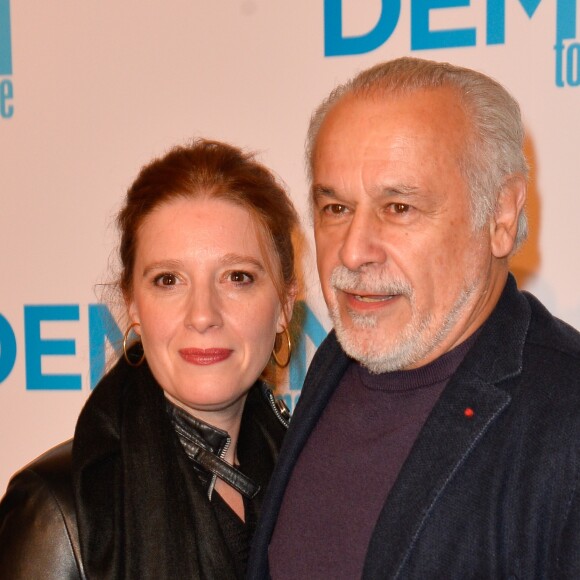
(204, 356)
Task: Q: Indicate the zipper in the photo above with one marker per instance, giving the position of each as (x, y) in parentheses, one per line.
(222, 454)
(280, 409)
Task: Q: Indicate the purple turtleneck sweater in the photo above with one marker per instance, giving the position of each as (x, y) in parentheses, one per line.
(349, 465)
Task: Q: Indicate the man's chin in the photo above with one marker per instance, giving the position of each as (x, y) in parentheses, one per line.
(376, 352)
(360, 344)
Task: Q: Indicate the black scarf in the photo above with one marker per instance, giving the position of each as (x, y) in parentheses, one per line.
(142, 512)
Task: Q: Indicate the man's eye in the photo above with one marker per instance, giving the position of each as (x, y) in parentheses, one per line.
(241, 277)
(166, 280)
(400, 207)
(334, 209)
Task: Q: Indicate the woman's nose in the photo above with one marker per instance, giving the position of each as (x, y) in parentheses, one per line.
(203, 310)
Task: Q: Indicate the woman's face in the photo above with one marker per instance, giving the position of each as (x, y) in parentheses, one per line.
(207, 307)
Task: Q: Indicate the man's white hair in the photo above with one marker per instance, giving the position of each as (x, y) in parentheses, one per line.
(494, 151)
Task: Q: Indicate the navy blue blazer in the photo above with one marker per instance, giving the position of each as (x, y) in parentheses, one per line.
(494, 495)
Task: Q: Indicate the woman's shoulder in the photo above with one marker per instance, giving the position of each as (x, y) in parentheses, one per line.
(38, 529)
(54, 464)
(49, 475)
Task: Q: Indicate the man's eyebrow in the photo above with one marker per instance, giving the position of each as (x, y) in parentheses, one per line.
(407, 191)
(318, 191)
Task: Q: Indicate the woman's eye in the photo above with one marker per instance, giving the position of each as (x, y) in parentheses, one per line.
(241, 277)
(166, 280)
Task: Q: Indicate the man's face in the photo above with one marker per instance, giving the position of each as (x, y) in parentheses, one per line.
(405, 276)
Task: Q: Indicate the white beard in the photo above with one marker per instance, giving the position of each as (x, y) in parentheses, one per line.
(362, 340)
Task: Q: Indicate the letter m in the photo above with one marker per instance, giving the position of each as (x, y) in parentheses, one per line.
(496, 18)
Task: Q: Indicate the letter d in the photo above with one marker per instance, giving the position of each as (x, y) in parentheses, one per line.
(335, 44)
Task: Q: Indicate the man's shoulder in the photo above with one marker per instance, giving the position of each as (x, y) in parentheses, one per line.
(550, 379)
(551, 335)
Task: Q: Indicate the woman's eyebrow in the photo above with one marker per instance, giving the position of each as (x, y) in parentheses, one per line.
(236, 259)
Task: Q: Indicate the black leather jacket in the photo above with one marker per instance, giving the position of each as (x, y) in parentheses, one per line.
(39, 536)
(38, 528)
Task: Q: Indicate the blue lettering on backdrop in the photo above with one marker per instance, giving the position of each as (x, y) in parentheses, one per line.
(6, 95)
(335, 44)
(496, 18)
(6, 87)
(37, 347)
(422, 37)
(103, 329)
(7, 348)
(5, 39)
(311, 328)
(567, 55)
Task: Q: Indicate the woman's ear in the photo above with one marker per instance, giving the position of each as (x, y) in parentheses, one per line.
(287, 309)
(504, 225)
(132, 311)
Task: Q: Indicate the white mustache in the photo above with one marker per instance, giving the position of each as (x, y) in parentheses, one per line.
(370, 282)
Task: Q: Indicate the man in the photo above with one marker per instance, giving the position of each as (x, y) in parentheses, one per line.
(438, 431)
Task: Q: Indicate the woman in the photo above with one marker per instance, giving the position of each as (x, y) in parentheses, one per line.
(173, 450)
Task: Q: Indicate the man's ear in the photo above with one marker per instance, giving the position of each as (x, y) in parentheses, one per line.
(504, 225)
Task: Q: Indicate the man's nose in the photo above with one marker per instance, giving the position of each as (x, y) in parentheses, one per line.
(363, 243)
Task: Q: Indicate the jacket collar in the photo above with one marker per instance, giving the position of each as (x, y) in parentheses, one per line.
(192, 429)
(502, 338)
(206, 446)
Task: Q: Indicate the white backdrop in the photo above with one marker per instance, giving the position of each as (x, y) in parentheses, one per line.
(90, 91)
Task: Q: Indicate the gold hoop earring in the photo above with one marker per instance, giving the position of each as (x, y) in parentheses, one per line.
(289, 345)
(125, 354)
